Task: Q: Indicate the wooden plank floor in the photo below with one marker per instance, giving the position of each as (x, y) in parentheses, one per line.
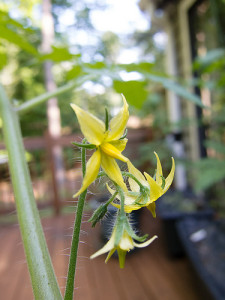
(148, 274)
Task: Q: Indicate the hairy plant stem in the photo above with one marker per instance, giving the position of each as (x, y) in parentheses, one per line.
(38, 260)
(76, 235)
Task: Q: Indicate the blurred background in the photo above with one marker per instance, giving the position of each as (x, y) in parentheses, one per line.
(168, 59)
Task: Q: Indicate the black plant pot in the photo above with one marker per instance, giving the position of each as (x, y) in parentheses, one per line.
(170, 215)
(204, 243)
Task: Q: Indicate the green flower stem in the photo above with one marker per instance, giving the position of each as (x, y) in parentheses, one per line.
(122, 200)
(127, 174)
(39, 263)
(75, 239)
(28, 105)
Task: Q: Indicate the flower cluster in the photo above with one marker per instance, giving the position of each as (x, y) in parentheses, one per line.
(141, 190)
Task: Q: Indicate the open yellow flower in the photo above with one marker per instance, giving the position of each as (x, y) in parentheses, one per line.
(108, 144)
(154, 188)
(126, 243)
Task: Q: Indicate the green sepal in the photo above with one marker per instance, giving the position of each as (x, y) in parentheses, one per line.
(143, 196)
(87, 146)
(163, 182)
(131, 232)
(122, 256)
(106, 119)
(100, 212)
(124, 135)
(120, 225)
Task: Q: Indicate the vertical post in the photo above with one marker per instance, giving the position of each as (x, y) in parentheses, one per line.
(174, 109)
(53, 169)
(53, 112)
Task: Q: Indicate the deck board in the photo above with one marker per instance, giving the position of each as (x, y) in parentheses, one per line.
(148, 272)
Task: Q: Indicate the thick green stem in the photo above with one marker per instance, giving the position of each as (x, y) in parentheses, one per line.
(39, 263)
(26, 106)
(75, 239)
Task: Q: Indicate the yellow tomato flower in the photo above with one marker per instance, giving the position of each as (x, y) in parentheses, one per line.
(154, 188)
(126, 243)
(107, 142)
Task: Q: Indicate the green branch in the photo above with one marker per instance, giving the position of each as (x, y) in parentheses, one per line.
(30, 104)
(39, 263)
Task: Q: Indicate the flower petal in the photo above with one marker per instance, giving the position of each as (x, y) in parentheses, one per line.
(169, 178)
(112, 151)
(108, 247)
(92, 128)
(111, 168)
(126, 242)
(128, 208)
(119, 144)
(118, 124)
(133, 184)
(159, 172)
(145, 244)
(110, 254)
(151, 207)
(112, 192)
(155, 189)
(92, 168)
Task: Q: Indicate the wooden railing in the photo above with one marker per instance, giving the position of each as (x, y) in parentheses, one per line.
(52, 190)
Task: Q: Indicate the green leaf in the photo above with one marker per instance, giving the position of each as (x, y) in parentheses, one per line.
(3, 60)
(211, 171)
(8, 21)
(213, 56)
(59, 54)
(96, 65)
(16, 39)
(141, 67)
(134, 91)
(176, 88)
(74, 72)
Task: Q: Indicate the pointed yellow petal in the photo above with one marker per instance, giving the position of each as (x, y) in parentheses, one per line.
(112, 192)
(112, 151)
(169, 178)
(145, 244)
(155, 190)
(128, 208)
(108, 246)
(111, 168)
(92, 128)
(159, 172)
(92, 168)
(119, 144)
(151, 207)
(133, 185)
(118, 124)
(103, 250)
(110, 254)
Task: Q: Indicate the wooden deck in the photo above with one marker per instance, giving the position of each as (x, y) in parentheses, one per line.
(148, 274)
